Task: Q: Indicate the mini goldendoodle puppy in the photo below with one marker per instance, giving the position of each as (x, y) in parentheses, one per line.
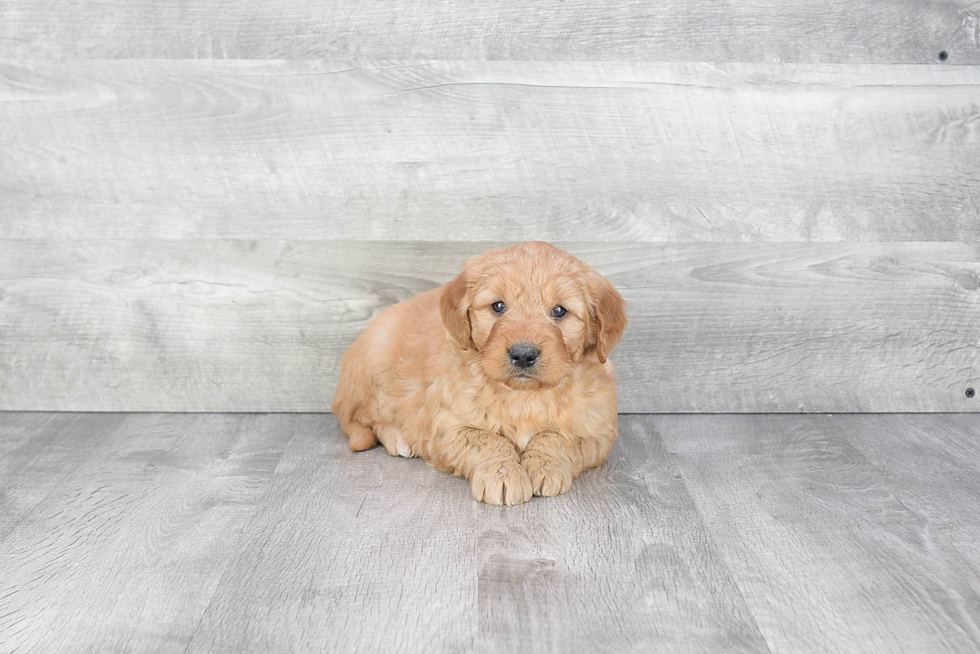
(500, 376)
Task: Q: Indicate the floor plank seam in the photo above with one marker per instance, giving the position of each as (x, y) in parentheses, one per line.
(722, 556)
(259, 502)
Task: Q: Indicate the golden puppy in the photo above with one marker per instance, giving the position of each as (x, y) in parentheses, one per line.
(500, 376)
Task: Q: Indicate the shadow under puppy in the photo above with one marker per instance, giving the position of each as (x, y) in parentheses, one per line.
(500, 376)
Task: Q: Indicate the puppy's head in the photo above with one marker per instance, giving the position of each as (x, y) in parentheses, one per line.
(532, 312)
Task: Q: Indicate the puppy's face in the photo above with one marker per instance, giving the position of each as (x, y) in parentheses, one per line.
(532, 312)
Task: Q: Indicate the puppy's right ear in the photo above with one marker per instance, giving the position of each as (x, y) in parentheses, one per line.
(455, 307)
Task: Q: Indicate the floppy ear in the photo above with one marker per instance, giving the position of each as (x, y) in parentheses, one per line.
(609, 315)
(455, 307)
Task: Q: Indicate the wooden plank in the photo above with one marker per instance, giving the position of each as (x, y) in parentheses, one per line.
(125, 551)
(622, 563)
(934, 467)
(350, 553)
(902, 31)
(365, 552)
(177, 533)
(826, 554)
(462, 150)
(260, 326)
(38, 451)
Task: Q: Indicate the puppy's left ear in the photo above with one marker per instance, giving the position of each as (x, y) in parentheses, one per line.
(455, 308)
(609, 314)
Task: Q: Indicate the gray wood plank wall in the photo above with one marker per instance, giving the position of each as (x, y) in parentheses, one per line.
(871, 31)
(489, 151)
(194, 201)
(199, 325)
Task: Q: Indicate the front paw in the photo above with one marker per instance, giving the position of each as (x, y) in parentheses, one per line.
(548, 477)
(505, 483)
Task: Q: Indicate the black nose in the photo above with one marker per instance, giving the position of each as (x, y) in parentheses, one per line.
(523, 355)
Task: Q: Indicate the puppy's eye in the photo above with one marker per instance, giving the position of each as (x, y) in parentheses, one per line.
(498, 307)
(558, 311)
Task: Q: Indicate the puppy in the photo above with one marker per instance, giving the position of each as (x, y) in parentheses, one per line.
(500, 376)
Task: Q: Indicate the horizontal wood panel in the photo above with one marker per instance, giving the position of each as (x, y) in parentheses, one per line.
(436, 151)
(882, 31)
(227, 325)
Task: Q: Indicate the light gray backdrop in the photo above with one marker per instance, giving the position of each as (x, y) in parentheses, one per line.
(202, 205)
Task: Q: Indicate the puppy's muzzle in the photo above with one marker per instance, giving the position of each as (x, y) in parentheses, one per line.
(523, 355)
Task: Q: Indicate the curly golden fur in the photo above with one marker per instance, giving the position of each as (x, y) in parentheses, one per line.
(437, 376)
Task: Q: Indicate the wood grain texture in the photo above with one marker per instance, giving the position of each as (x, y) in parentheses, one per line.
(457, 150)
(219, 533)
(356, 552)
(619, 564)
(878, 31)
(38, 452)
(131, 537)
(934, 467)
(825, 551)
(260, 326)
(350, 553)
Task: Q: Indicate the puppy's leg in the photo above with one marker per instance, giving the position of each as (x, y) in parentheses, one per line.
(394, 441)
(553, 460)
(350, 407)
(489, 461)
(361, 437)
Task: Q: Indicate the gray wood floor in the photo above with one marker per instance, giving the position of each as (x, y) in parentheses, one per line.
(261, 532)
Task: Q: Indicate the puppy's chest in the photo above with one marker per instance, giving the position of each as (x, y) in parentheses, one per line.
(520, 419)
